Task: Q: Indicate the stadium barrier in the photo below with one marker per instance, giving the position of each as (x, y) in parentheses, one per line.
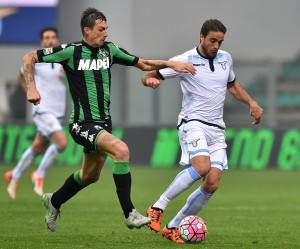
(248, 148)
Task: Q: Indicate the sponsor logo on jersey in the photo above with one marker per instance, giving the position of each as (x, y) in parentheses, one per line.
(91, 138)
(199, 64)
(223, 64)
(94, 64)
(84, 134)
(47, 51)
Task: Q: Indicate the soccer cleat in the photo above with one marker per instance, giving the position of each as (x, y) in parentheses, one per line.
(8, 176)
(13, 184)
(156, 216)
(172, 234)
(37, 184)
(51, 212)
(136, 220)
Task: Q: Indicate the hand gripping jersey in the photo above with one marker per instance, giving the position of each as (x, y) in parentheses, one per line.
(88, 74)
(203, 94)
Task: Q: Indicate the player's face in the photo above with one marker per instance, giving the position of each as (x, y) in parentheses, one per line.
(49, 40)
(211, 43)
(96, 36)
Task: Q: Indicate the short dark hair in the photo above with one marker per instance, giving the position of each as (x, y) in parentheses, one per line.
(47, 29)
(212, 25)
(89, 16)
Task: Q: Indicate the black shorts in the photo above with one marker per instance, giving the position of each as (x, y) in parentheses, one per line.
(85, 133)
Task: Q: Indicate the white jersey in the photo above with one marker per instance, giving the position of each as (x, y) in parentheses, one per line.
(203, 94)
(49, 78)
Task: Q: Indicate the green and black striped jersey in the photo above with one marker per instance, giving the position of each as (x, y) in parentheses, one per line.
(88, 73)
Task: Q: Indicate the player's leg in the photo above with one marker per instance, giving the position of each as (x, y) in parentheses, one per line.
(198, 199)
(12, 177)
(59, 143)
(195, 151)
(89, 173)
(122, 177)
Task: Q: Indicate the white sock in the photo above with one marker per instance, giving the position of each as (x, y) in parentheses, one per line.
(182, 181)
(26, 159)
(194, 203)
(47, 160)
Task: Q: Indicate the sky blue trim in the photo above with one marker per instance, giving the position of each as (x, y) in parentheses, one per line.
(197, 151)
(217, 162)
(193, 173)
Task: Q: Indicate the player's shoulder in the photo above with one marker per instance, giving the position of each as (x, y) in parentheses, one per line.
(222, 54)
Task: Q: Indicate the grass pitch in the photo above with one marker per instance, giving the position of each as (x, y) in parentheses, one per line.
(250, 210)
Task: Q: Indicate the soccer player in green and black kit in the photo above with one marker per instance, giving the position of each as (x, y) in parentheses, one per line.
(87, 65)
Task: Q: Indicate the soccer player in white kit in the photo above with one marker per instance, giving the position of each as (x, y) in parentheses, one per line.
(200, 126)
(47, 117)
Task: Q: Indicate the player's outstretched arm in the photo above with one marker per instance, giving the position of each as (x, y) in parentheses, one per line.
(236, 89)
(181, 67)
(29, 60)
(151, 79)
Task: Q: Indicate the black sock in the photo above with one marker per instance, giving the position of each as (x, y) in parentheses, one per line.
(123, 186)
(66, 192)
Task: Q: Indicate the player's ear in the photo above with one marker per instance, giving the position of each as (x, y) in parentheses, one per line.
(86, 30)
(201, 38)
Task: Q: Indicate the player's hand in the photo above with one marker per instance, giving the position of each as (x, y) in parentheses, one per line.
(182, 67)
(256, 112)
(152, 82)
(33, 96)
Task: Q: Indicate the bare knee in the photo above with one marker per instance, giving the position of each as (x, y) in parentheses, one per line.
(121, 151)
(39, 148)
(60, 139)
(201, 164)
(62, 145)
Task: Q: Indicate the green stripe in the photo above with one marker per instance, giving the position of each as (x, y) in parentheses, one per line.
(106, 91)
(91, 86)
(121, 168)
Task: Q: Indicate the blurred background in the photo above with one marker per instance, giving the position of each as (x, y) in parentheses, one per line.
(262, 37)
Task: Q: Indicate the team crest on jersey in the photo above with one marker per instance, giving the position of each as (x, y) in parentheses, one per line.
(223, 64)
(47, 51)
(103, 52)
(194, 143)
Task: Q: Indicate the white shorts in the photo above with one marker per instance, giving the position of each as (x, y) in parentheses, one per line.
(198, 139)
(47, 123)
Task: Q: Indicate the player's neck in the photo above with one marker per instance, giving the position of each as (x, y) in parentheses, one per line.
(202, 52)
(90, 44)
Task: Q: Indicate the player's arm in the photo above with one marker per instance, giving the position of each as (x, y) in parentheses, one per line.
(121, 56)
(178, 66)
(237, 91)
(21, 80)
(29, 60)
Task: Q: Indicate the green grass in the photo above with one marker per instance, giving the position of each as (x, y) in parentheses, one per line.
(250, 210)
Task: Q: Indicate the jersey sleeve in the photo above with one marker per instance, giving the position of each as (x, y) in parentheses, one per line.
(167, 73)
(121, 56)
(231, 76)
(60, 54)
